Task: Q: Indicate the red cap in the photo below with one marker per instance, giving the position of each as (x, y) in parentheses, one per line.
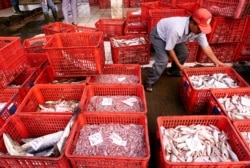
(203, 18)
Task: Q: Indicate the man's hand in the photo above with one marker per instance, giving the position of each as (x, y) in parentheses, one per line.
(221, 64)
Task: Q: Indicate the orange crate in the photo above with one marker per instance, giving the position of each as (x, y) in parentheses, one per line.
(190, 5)
(30, 126)
(106, 161)
(242, 126)
(156, 15)
(196, 100)
(146, 6)
(226, 30)
(58, 27)
(36, 44)
(118, 69)
(222, 123)
(243, 52)
(12, 97)
(110, 27)
(114, 90)
(228, 8)
(39, 94)
(215, 107)
(76, 54)
(135, 54)
(47, 76)
(225, 52)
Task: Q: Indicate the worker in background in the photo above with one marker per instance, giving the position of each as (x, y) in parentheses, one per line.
(168, 39)
(15, 5)
(46, 5)
(69, 6)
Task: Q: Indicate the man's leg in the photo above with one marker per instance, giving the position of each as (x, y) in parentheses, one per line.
(181, 53)
(161, 57)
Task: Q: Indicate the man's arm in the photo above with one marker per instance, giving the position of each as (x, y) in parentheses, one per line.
(209, 52)
(174, 58)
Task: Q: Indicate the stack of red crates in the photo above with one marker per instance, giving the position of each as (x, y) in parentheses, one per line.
(18, 72)
(229, 24)
(134, 24)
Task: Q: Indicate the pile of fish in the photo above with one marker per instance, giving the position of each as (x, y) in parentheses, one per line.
(236, 107)
(246, 137)
(216, 80)
(129, 42)
(113, 78)
(196, 143)
(118, 140)
(115, 104)
(59, 106)
(68, 81)
(49, 145)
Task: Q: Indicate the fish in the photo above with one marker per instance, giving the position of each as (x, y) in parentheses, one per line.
(13, 147)
(128, 42)
(43, 142)
(216, 80)
(196, 143)
(58, 106)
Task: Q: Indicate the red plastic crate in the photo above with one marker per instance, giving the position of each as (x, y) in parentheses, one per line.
(47, 76)
(246, 34)
(146, 6)
(111, 27)
(104, 4)
(157, 14)
(225, 52)
(25, 80)
(135, 3)
(36, 44)
(242, 126)
(190, 5)
(243, 52)
(118, 69)
(196, 100)
(76, 54)
(193, 48)
(136, 54)
(222, 123)
(93, 2)
(226, 30)
(133, 16)
(227, 8)
(30, 126)
(81, 29)
(57, 27)
(11, 50)
(36, 60)
(133, 29)
(106, 161)
(39, 94)
(114, 90)
(13, 98)
(215, 106)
